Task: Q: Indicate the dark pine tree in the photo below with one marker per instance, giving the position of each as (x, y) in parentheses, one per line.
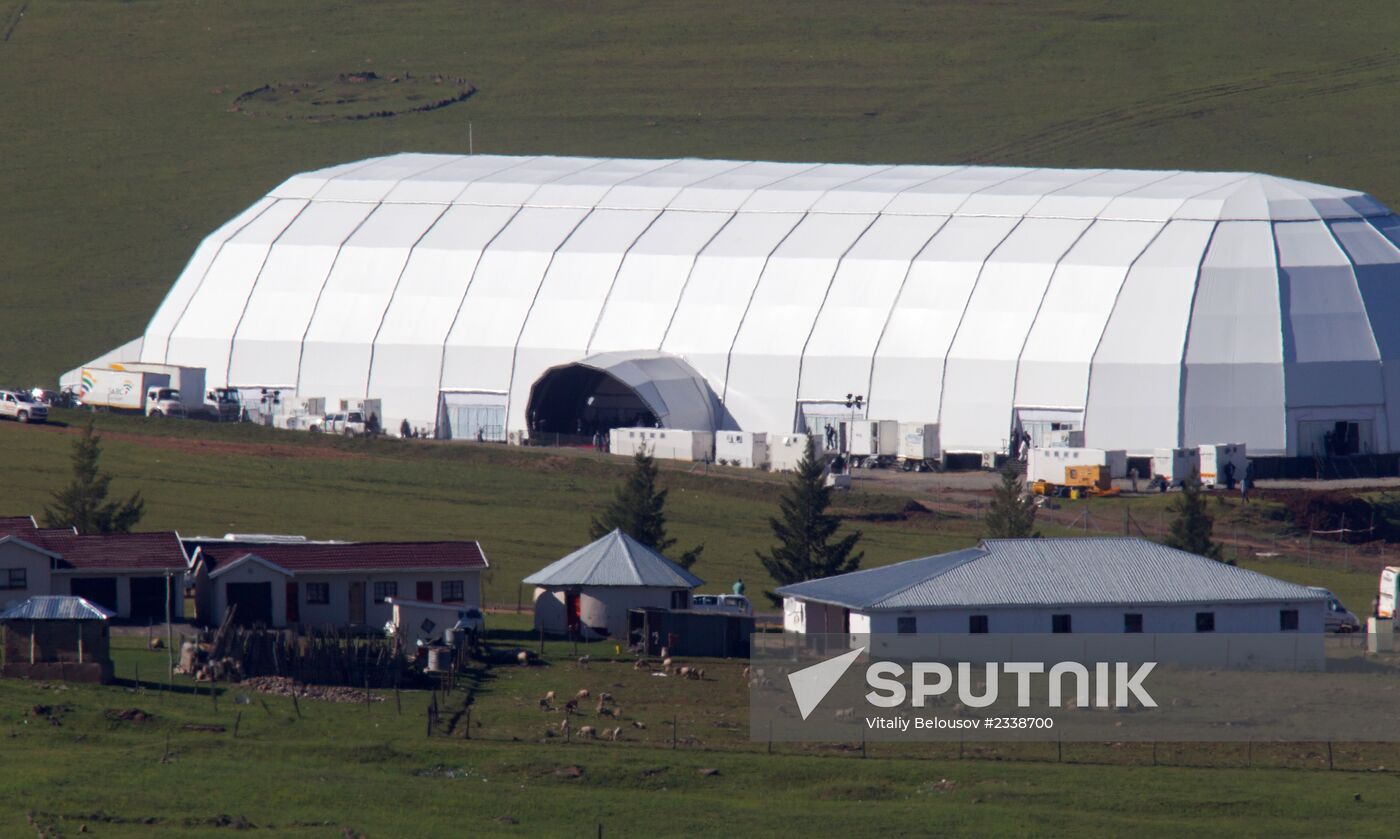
(83, 503)
(1191, 525)
(804, 530)
(639, 510)
(1012, 513)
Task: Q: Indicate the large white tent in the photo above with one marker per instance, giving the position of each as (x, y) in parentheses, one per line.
(1149, 308)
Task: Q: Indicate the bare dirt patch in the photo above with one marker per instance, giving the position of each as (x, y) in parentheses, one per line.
(357, 95)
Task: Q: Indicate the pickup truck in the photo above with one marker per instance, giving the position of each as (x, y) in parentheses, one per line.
(19, 405)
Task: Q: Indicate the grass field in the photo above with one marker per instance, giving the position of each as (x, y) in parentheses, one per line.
(374, 771)
(120, 151)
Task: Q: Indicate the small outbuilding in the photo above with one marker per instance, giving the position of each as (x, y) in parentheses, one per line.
(589, 592)
(57, 637)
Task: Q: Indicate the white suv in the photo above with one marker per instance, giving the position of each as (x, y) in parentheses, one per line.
(729, 604)
(18, 405)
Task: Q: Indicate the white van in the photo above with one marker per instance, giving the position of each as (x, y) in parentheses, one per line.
(1338, 617)
(729, 604)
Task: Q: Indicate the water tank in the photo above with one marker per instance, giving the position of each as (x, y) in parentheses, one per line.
(439, 659)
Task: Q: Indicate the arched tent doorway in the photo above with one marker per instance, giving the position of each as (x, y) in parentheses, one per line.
(621, 390)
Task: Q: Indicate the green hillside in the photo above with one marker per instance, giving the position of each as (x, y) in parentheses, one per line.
(120, 148)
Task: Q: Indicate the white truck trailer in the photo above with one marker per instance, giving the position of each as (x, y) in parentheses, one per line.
(1220, 462)
(870, 443)
(188, 381)
(664, 443)
(1175, 465)
(118, 389)
(748, 449)
(785, 451)
(1048, 464)
(918, 447)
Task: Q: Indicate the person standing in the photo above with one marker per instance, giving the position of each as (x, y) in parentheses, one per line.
(739, 586)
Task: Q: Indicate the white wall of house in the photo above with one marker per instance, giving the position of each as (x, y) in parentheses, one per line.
(599, 606)
(37, 576)
(337, 611)
(814, 618)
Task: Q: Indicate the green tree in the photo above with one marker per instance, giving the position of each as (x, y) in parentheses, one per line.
(83, 503)
(1012, 512)
(639, 510)
(1191, 525)
(804, 530)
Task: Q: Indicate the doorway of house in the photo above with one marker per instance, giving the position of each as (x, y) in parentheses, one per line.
(252, 602)
(148, 598)
(573, 610)
(357, 602)
(99, 590)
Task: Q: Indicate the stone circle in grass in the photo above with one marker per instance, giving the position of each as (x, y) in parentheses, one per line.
(363, 94)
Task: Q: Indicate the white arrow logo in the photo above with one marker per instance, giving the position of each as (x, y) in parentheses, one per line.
(810, 685)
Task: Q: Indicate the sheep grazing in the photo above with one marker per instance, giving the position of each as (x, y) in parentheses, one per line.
(523, 658)
(683, 672)
(564, 726)
(638, 724)
(604, 711)
(666, 662)
(582, 694)
(584, 660)
(605, 697)
(615, 734)
(544, 705)
(587, 731)
(641, 664)
(748, 673)
(570, 706)
(549, 696)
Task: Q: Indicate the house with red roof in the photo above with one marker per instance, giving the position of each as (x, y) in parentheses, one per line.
(292, 581)
(135, 576)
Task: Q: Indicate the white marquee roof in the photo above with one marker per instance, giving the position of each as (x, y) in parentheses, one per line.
(1169, 307)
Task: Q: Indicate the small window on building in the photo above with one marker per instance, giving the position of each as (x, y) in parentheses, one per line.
(318, 594)
(977, 624)
(14, 578)
(1287, 620)
(1205, 621)
(427, 626)
(1132, 622)
(453, 591)
(383, 590)
(907, 625)
(1060, 624)
(680, 599)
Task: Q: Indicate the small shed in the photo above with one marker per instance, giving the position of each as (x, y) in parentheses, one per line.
(57, 637)
(588, 593)
(707, 634)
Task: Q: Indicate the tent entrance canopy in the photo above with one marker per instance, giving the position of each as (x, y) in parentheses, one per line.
(621, 389)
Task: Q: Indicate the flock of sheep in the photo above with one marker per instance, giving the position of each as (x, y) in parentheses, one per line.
(607, 706)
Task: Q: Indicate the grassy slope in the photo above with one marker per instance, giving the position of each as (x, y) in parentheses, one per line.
(120, 155)
(342, 766)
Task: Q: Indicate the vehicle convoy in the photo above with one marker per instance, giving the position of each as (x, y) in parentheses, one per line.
(1338, 617)
(19, 405)
(156, 390)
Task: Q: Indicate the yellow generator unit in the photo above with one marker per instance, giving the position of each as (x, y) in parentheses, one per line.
(1088, 477)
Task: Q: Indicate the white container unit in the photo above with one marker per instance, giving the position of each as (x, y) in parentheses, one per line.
(1048, 464)
(1215, 460)
(870, 440)
(785, 450)
(748, 449)
(918, 445)
(1175, 464)
(664, 443)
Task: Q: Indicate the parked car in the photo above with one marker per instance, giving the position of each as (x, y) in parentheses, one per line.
(1337, 618)
(19, 405)
(730, 604)
(351, 424)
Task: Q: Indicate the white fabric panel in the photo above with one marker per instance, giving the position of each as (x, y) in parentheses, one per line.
(1372, 249)
(943, 196)
(873, 193)
(442, 184)
(1161, 200)
(658, 188)
(799, 192)
(307, 184)
(728, 190)
(335, 357)
(156, 339)
(981, 370)
(375, 181)
(1234, 356)
(1017, 196)
(204, 333)
(761, 388)
(651, 279)
(906, 379)
(570, 300)
(407, 362)
(267, 343)
(717, 294)
(481, 345)
(1090, 197)
(586, 187)
(843, 342)
(1332, 202)
(1054, 366)
(1135, 381)
(514, 186)
(1329, 354)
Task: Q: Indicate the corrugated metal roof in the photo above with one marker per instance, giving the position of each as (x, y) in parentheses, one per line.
(56, 608)
(615, 560)
(1049, 572)
(307, 557)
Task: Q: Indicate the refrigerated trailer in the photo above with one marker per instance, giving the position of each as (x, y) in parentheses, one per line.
(918, 447)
